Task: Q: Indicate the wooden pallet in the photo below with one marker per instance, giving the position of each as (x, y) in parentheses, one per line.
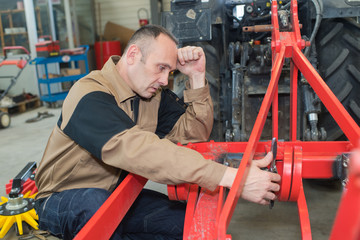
(22, 106)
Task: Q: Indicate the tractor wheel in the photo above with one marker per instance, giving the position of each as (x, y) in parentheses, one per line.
(4, 120)
(338, 48)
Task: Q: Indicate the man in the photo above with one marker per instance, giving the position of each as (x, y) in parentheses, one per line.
(120, 120)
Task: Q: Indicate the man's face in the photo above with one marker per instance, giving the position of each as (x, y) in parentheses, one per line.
(150, 72)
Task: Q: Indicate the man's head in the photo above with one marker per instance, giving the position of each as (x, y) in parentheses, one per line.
(151, 54)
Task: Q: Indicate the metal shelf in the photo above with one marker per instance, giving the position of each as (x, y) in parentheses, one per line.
(61, 79)
(50, 96)
(54, 97)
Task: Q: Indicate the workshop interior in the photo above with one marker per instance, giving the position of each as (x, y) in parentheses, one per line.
(284, 77)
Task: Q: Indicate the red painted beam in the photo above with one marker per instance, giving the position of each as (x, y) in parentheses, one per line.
(239, 181)
(104, 222)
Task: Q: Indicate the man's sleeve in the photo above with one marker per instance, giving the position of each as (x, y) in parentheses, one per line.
(196, 123)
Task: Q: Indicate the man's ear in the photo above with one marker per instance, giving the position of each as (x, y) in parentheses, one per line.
(133, 54)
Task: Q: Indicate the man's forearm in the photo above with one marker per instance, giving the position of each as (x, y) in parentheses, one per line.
(197, 80)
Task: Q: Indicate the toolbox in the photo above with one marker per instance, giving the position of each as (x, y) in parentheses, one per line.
(48, 48)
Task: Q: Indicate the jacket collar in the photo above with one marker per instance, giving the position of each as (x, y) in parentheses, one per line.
(115, 82)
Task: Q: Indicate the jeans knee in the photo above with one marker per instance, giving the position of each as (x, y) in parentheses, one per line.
(82, 211)
(68, 211)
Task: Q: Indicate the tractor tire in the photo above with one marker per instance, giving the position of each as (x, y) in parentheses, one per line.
(4, 120)
(338, 48)
(212, 76)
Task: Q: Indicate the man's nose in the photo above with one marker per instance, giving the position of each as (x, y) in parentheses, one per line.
(164, 79)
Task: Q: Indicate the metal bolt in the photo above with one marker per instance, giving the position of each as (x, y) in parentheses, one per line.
(346, 162)
(344, 182)
(12, 213)
(1, 211)
(26, 209)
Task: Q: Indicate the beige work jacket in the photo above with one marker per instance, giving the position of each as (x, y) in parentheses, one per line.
(96, 137)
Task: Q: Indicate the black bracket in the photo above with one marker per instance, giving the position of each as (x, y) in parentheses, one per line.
(19, 180)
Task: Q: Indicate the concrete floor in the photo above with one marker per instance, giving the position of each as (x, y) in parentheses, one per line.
(24, 142)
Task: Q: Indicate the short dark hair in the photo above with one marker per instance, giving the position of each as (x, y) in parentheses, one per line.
(147, 32)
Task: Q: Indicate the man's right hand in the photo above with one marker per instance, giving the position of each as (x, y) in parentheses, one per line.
(260, 185)
(192, 62)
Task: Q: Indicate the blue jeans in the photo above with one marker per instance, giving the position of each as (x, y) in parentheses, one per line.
(152, 216)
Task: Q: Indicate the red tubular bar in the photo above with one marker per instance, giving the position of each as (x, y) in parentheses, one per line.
(190, 210)
(5, 49)
(293, 101)
(317, 157)
(104, 222)
(304, 215)
(239, 181)
(204, 219)
(275, 112)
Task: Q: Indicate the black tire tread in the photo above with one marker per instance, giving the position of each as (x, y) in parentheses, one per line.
(338, 49)
(344, 91)
(354, 72)
(337, 63)
(355, 108)
(331, 34)
(352, 41)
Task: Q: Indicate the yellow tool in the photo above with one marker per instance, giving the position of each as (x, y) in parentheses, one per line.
(17, 210)
(18, 207)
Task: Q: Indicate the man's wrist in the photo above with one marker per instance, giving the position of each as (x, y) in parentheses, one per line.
(197, 81)
(228, 178)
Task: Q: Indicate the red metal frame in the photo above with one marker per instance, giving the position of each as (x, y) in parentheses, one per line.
(208, 214)
(288, 44)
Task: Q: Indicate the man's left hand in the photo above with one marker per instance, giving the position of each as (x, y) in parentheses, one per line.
(191, 62)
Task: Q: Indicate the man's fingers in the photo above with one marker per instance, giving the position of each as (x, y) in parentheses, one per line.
(264, 202)
(274, 177)
(197, 53)
(270, 196)
(181, 57)
(188, 53)
(274, 187)
(261, 163)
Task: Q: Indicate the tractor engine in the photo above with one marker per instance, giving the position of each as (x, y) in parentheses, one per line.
(236, 38)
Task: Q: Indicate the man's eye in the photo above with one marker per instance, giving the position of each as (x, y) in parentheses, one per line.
(162, 68)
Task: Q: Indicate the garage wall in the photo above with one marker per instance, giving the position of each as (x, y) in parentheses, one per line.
(124, 12)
